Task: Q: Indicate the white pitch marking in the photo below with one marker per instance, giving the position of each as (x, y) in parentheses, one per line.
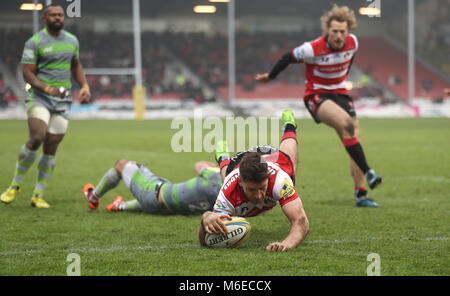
(197, 246)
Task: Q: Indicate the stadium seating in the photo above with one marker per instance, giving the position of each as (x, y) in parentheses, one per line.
(384, 61)
(207, 57)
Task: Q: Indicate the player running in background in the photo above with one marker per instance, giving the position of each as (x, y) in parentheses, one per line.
(155, 195)
(257, 182)
(50, 59)
(327, 61)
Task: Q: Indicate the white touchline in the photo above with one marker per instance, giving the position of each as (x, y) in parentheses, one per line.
(101, 250)
(196, 246)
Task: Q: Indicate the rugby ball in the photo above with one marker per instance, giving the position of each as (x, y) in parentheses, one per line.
(238, 231)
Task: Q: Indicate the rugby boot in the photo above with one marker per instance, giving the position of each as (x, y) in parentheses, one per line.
(88, 192)
(222, 151)
(115, 205)
(9, 195)
(38, 201)
(362, 200)
(287, 117)
(373, 179)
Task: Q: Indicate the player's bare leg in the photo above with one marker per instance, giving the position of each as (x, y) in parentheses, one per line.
(201, 165)
(37, 129)
(348, 131)
(51, 143)
(334, 116)
(290, 147)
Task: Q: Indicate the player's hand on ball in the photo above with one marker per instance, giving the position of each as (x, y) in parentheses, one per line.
(277, 247)
(262, 77)
(85, 94)
(213, 223)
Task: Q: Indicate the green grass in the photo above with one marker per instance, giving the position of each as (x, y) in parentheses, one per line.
(410, 231)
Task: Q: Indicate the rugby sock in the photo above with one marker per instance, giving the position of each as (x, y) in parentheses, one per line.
(224, 160)
(289, 131)
(110, 180)
(23, 164)
(132, 205)
(356, 152)
(46, 165)
(360, 192)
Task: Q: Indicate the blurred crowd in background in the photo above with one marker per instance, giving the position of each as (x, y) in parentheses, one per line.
(165, 55)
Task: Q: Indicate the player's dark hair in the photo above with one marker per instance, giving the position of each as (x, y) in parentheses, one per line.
(51, 5)
(253, 168)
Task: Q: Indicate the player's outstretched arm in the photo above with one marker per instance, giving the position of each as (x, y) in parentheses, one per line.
(281, 64)
(299, 227)
(262, 77)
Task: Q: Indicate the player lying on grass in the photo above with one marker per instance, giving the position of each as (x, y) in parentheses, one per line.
(255, 183)
(155, 195)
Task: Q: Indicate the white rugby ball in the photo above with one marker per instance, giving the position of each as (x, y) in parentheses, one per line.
(238, 230)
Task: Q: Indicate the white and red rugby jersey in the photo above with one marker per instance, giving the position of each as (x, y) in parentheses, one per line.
(232, 200)
(326, 69)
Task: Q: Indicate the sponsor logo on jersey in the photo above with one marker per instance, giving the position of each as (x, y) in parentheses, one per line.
(28, 53)
(231, 180)
(272, 171)
(48, 49)
(287, 190)
(219, 205)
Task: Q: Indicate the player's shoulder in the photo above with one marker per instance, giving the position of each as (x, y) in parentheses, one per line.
(230, 182)
(351, 41)
(318, 41)
(36, 38)
(303, 52)
(229, 195)
(276, 171)
(273, 168)
(70, 36)
(283, 187)
(318, 46)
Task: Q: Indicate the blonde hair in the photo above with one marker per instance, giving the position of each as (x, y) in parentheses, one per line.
(340, 14)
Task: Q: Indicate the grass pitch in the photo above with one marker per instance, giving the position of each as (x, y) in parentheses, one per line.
(410, 232)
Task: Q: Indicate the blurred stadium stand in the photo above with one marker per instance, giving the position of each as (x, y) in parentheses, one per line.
(390, 69)
(185, 56)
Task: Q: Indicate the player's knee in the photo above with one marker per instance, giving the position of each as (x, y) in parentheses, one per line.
(120, 164)
(349, 126)
(53, 140)
(198, 167)
(36, 140)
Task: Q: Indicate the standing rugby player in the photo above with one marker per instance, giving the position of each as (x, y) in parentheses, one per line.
(50, 59)
(327, 60)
